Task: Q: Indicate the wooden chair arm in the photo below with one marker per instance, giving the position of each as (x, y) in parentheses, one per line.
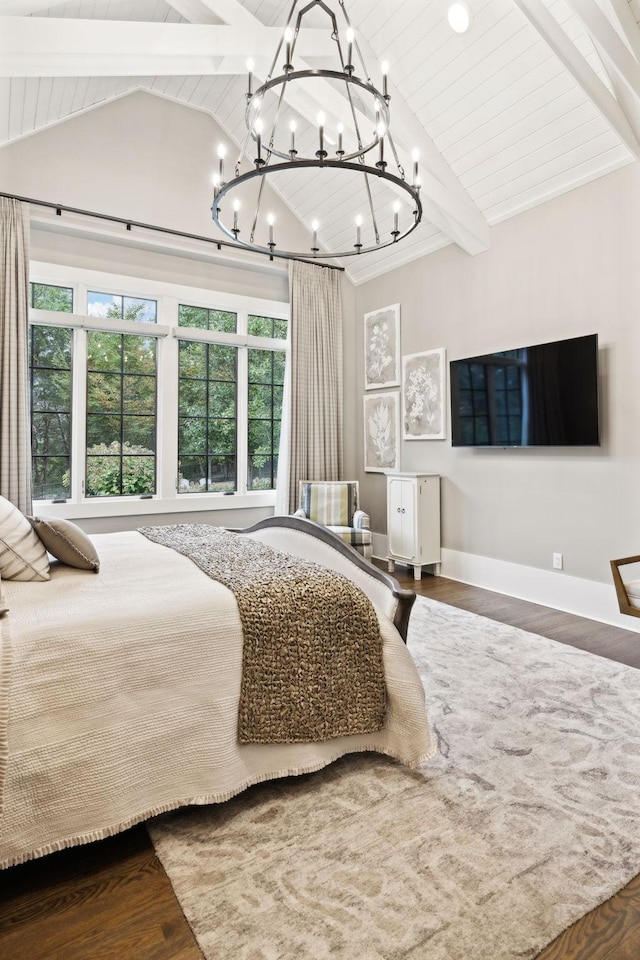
(624, 603)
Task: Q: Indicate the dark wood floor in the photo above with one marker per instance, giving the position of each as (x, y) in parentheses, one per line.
(112, 900)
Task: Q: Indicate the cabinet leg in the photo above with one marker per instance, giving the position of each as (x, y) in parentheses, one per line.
(390, 565)
(417, 572)
(436, 569)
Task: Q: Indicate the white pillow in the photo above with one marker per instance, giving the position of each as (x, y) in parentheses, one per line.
(22, 554)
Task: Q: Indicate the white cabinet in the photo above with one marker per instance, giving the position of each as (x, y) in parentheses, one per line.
(413, 520)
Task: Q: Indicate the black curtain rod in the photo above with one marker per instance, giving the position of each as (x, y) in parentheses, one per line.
(129, 224)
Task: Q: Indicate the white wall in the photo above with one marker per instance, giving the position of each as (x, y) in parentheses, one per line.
(566, 268)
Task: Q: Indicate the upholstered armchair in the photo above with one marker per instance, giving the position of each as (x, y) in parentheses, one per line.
(334, 504)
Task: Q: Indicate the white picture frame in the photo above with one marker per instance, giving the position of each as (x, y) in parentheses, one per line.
(382, 348)
(423, 395)
(381, 432)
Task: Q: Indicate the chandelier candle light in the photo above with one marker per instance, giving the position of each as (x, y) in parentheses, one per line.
(358, 112)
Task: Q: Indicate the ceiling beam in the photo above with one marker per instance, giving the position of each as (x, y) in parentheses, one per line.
(22, 8)
(225, 11)
(604, 101)
(48, 47)
(608, 40)
(459, 216)
(628, 25)
(195, 11)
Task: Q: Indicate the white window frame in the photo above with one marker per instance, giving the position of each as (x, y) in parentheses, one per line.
(168, 295)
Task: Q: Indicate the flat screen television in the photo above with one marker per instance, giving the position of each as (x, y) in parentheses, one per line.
(545, 395)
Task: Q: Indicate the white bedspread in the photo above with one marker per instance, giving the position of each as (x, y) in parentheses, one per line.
(123, 697)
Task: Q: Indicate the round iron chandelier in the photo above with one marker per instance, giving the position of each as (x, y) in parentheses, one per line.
(351, 155)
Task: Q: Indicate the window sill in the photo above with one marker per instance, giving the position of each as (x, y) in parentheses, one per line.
(134, 506)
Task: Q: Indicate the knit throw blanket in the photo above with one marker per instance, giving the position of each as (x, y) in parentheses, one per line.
(312, 655)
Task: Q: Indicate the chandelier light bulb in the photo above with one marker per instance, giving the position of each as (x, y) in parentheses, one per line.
(350, 39)
(292, 149)
(321, 121)
(381, 129)
(250, 66)
(236, 205)
(271, 219)
(396, 212)
(314, 228)
(222, 151)
(288, 38)
(358, 232)
(340, 150)
(259, 127)
(384, 70)
(314, 225)
(459, 17)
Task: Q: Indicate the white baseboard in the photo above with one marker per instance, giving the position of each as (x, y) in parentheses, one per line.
(551, 588)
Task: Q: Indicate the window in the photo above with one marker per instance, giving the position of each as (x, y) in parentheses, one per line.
(207, 408)
(204, 319)
(152, 390)
(121, 415)
(45, 296)
(266, 381)
(122, 308)
(50, 351)
(50, 369)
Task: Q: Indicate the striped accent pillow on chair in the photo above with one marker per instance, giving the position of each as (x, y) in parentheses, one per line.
(331, 503)
(22, 553)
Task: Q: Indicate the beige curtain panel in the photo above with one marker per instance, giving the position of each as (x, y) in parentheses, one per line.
(15, 432)
(315, 436)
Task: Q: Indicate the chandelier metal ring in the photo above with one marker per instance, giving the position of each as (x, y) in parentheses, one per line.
(302, 164)
(255, 102)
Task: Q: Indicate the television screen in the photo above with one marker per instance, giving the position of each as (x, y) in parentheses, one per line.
(539, 396)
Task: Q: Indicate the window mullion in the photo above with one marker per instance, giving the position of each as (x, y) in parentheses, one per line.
(167, 387)
(79, 415)
(242, 421)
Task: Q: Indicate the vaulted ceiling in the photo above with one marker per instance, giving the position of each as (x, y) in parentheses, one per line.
(538, 97)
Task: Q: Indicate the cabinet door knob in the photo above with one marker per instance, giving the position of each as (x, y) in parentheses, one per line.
(403, 510)
(398, 509)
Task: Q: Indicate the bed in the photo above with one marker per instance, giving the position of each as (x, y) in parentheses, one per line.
(122, 690)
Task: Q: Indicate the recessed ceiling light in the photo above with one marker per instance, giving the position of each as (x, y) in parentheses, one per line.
(459, 17)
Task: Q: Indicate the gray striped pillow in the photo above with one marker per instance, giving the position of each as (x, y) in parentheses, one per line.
(22, 554)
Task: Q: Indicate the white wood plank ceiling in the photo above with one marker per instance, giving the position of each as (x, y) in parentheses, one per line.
(538, 97)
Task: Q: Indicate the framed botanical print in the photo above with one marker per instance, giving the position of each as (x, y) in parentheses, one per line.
(382, 348)
(423, 396)
(381, 432)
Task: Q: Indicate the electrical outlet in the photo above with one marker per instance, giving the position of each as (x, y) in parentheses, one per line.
(557, 561)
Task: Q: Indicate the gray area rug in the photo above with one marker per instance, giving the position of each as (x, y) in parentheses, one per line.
(528, 819)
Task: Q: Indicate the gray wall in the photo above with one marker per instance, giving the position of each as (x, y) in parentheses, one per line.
(563, 269)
